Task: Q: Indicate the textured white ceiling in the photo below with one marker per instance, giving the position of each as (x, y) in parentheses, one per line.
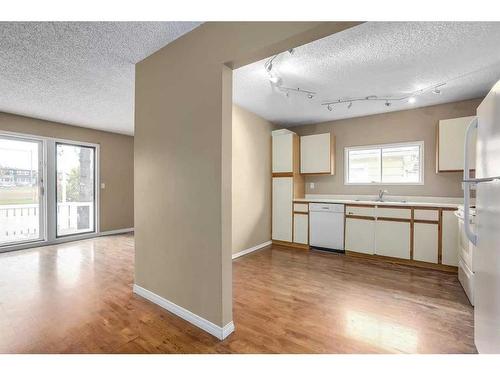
(79, 73)
(375, 58)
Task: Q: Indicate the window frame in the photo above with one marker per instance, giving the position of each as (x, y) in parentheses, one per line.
(96, 190)
(49, 192)
(382, 146)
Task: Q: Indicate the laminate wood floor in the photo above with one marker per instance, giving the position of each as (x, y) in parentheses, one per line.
(77, 298)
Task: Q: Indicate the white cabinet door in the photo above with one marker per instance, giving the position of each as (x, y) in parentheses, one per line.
(392, 239)
(451, 144)
(360, 235)
(300, 228)
(283, 153)
(282, 208)
(450, 238)
(425, 242)
(316, 153)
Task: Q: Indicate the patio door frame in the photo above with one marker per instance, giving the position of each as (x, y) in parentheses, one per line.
(49, 191)
(42, 196)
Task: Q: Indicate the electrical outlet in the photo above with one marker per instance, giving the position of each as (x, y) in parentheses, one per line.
(311, 185)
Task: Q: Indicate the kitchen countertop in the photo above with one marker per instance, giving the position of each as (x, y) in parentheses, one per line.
(408, 203)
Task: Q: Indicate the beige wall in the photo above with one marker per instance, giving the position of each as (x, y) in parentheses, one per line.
(251, 216)
(418, 124)
(183, 142)
(116, 164)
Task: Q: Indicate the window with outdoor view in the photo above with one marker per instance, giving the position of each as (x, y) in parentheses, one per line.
(390, 164)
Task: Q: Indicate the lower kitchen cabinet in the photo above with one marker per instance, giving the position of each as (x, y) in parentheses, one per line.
(393, 239)
(425, 242)
(301, 228)
(360, 235)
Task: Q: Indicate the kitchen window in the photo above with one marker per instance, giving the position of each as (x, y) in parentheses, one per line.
(389, 164)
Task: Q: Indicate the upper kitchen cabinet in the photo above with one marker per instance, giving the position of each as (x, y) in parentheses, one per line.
(450, 147)
(317, 154)
(283, 151)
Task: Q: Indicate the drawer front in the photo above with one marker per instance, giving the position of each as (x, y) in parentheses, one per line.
(360, 211)
(301, 207)
(426, 215)
(396, 213)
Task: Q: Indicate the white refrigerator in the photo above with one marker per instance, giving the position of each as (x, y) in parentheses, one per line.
(487, 235)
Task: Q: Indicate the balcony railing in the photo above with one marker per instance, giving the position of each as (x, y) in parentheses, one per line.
(21, 222)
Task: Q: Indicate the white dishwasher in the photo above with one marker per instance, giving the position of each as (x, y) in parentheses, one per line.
(326, 226)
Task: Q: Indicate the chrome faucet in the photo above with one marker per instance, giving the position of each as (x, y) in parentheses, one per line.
(381, 193)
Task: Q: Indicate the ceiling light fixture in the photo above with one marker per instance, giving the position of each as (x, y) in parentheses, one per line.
(410, 98)
(275, 80)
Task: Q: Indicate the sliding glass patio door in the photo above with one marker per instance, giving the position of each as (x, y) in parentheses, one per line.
(22, 216)
(48, 190)
(75, 189)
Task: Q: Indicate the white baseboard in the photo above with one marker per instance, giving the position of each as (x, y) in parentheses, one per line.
(251, 249)
(220, 332)
(116, 231)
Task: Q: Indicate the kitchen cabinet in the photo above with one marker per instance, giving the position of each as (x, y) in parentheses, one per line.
(450, 144)
(301, 228)
(317, 154)
(282, 208)
(283, 150)
(425, 242)
(392, 238)
(287, 184)
(450, 238)
(360, 235)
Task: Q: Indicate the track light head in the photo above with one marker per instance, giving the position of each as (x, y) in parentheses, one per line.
(275, 80)
(291, 51)
(310, 96)
(269, 67)
(349, 105)
(436, 91)
(388, 103)
(329, 107)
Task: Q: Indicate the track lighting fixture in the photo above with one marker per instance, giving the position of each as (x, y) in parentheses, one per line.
(275, 80)
(330, 107)
(388, 103)
(436, 91)
(278, 82)
(349, 105)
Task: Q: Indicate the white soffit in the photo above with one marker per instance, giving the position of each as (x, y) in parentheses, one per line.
(375, 58)
(78, 73)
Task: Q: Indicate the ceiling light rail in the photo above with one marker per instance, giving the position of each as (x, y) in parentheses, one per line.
(288, 90)
(388, 100)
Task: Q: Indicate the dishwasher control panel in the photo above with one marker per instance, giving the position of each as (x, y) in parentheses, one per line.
(332, 207)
